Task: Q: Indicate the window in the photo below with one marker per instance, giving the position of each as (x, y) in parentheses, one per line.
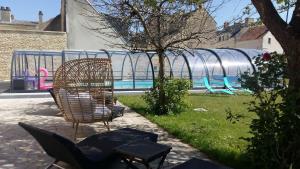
(269, 40)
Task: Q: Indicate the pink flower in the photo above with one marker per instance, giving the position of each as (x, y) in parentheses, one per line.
(266, 56)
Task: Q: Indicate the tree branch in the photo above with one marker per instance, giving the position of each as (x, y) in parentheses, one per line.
(273, 21)
(295, 21)
(141, 19)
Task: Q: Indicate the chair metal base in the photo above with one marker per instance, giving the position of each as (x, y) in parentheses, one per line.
(55, 165)
(76, 125)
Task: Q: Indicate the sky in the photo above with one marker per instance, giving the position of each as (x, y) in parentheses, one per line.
(28, 9)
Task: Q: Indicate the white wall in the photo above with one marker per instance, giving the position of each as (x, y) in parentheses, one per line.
(250, 44)
(274, 46)
(230, 43)
(78, 26)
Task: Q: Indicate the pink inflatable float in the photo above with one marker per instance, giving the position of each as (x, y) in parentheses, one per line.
(43, 77)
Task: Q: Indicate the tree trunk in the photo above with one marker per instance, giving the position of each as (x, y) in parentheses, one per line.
(294, 71)
(161, 75)
(293, 53)
(290, 120)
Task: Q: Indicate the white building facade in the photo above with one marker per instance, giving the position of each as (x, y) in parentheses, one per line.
(253, 37)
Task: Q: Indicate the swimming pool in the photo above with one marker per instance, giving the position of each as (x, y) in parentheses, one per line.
(197, 83)
(137, 70)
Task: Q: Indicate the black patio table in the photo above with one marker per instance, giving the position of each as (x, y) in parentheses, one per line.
(143, 152)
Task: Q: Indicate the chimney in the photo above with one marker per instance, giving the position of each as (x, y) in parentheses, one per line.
(249, 21)
(40, 17)
(5, 14)
(226, 25)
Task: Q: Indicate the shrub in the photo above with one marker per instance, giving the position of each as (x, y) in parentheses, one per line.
(275, 141)
(176, 91)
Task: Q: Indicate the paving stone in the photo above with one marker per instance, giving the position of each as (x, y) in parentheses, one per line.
(19, 150)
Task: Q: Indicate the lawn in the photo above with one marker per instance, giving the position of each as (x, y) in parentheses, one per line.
(209, 131)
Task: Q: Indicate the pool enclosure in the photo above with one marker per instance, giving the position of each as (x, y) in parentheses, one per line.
(34, 70)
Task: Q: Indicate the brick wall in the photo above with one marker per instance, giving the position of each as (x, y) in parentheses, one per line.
(11, 40)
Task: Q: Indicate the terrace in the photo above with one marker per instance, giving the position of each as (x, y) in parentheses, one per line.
(20, 150)
(132, 72)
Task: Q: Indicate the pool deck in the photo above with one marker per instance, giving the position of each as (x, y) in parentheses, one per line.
(4, 86)
(18, 150)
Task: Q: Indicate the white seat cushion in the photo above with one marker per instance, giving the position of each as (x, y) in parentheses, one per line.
(102, 112)
(82, 107)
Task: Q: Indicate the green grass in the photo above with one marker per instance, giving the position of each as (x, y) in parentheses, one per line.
(209, 131)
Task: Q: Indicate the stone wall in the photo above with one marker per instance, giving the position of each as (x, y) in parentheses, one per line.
(11, 40)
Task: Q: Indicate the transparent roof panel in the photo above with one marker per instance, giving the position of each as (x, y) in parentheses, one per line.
(234, 62)
(138, 70)
(212, 66)
(178, 65)
(123, 70)
(167, 65)
(142, 68)
(252, 53)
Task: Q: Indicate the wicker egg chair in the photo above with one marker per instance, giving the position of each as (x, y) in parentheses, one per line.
(84, 91)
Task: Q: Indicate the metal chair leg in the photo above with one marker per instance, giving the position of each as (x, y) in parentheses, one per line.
(106, 124)
(53, 164)
(49, 166)
(57, 166)
(76, 128)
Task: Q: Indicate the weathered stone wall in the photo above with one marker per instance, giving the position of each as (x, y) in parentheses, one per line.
(11, 40)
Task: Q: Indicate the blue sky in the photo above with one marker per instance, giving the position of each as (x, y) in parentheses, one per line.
(28, 9)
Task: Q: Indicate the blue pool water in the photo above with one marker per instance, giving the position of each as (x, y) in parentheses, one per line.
(197, 83)
(128, 84)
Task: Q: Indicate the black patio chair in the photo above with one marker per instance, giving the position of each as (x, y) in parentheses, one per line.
(93, 152)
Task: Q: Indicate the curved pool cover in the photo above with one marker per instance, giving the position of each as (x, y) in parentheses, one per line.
(137, 71)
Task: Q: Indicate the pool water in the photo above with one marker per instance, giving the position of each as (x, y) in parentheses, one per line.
(197, 83)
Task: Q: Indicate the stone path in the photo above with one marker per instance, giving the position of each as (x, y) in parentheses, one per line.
(18, 150)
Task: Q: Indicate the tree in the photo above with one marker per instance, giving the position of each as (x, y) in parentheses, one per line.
(287, 34)
(276, 133)
(160, 25)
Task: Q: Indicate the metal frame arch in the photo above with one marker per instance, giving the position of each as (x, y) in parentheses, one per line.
(245, 54)
(171, 71)
(187, 63)
(11, 70)
(87, 54)
(170, 65)
(106, 52)
(202, 59)
(174, 60)
(218, 58)
(138, 57)
(39, 73)
(63, 57)
(151, 64)
(133, 73)
(147, 55)
(112, 72)
(84, 53)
